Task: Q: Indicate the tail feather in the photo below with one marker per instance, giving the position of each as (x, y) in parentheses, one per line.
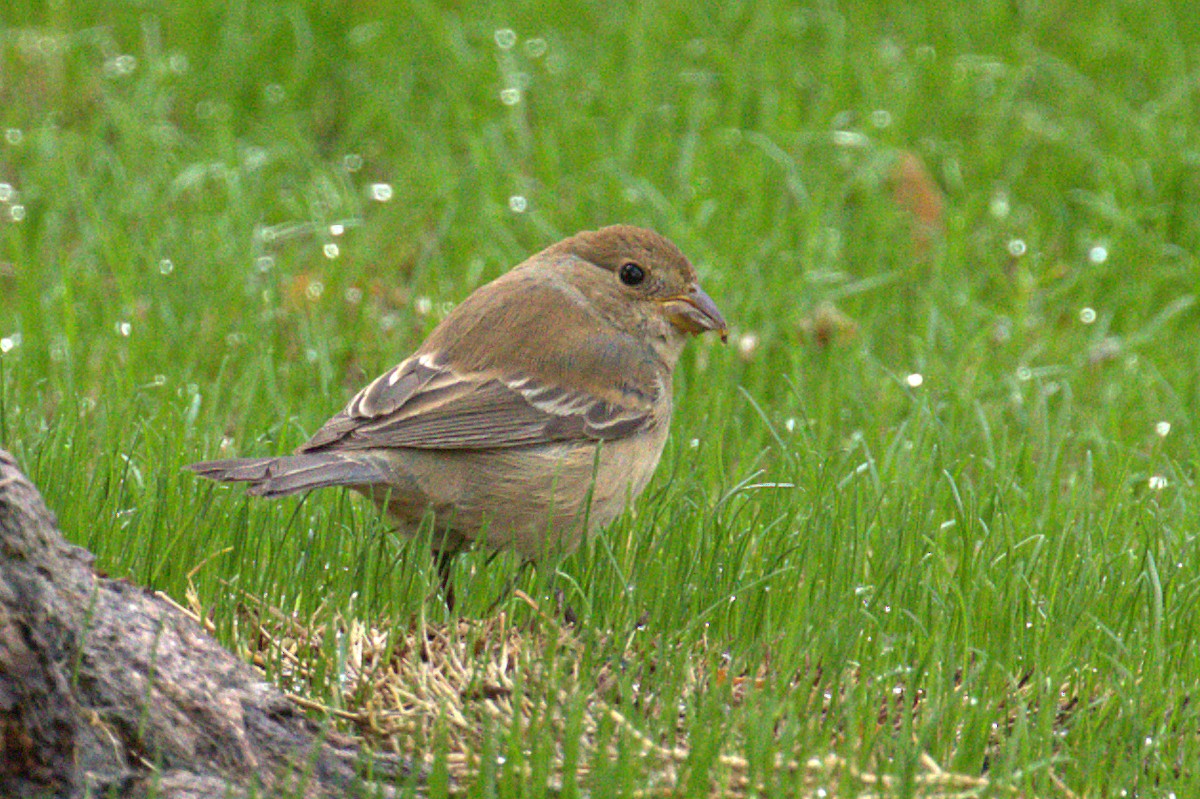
(273, 477)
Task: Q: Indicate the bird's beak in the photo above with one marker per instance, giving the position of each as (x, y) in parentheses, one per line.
(695, 313)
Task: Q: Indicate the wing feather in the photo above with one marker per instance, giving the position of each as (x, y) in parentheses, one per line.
(424, 404)
(474, 385)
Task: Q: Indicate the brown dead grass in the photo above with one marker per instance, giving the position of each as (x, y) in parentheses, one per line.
(404, 689)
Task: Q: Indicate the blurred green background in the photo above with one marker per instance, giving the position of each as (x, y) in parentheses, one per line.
(948, 460)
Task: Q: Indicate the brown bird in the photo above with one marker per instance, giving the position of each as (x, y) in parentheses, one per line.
(531, 416)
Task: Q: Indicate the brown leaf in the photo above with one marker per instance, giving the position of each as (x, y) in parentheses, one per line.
(915, 191)
(827, 325)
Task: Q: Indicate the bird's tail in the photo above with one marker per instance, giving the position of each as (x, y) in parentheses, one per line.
(273, 477)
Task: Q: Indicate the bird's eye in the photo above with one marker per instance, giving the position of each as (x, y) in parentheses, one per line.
(631, 274)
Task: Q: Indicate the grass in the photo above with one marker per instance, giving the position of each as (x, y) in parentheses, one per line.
(219, 220)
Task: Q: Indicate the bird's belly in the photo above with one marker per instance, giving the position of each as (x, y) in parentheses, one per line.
(538, 501)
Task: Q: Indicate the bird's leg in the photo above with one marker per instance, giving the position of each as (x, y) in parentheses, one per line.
(445, 564)
(568, 614)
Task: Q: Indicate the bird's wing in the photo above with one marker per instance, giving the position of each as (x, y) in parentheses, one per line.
(426, 404)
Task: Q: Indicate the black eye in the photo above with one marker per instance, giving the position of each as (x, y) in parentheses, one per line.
(631, 274)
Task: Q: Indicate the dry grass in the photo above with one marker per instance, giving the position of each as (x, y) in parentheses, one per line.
(404, 687)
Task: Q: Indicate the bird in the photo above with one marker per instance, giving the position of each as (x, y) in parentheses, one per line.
(530, 417)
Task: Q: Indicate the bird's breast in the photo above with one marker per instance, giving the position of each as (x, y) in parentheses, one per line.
(539, 501)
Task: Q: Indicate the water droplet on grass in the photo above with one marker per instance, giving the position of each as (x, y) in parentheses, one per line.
(510, 96)
(1087, 315)
(747, 344)
(915, 380)
(14, 136)
(505, 38)
(315, 289)
(850, 138)
(381, 192)
(517, 204)
(1157, 482)
(999, 207)
(331, 250)
(166, 266)
(124, 329)
(1162, 429)
(1016, 248)
(536, 48)
(1098, 254)
(7, 192)
(263, 263)
(17, 213)
(352, 162)
(253, 158)
(8, 344)
(120, 66)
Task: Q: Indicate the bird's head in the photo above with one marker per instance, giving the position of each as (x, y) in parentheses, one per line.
(647, 273)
